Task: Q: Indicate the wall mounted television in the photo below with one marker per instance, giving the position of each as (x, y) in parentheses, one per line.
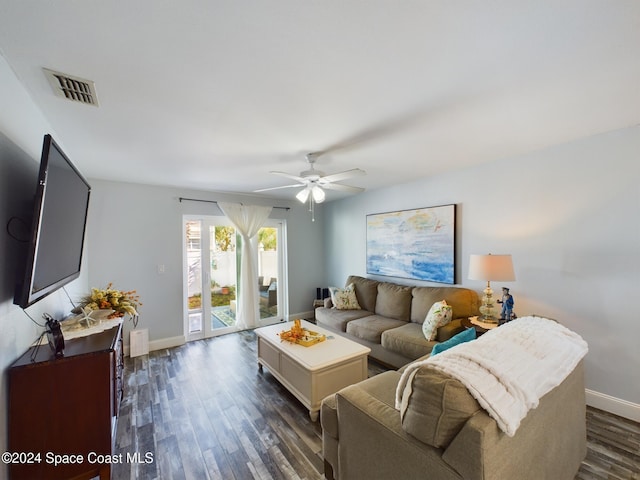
(58, 227)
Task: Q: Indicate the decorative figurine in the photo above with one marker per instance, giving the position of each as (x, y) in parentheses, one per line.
(507, 305)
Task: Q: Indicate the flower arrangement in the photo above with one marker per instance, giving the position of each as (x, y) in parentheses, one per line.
(111, 299)
(294, 334)
(300, 335)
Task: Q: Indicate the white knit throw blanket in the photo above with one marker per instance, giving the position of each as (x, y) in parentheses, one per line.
(508, 369)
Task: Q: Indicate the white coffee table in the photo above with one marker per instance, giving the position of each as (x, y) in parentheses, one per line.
(311, 373)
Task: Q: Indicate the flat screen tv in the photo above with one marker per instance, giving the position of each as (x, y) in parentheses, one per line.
(58, 227)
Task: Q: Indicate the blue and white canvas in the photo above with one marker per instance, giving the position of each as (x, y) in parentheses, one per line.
(417, 244)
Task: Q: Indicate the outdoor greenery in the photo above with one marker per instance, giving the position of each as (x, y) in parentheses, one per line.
(224, 238)
(195, 301)
(217, 299)
(267, 236)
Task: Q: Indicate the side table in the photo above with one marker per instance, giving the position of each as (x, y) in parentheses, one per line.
(466, 323)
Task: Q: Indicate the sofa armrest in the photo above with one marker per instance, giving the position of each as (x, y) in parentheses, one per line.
(329, 422)
(554, 431)
(373, 444)
(450, 329)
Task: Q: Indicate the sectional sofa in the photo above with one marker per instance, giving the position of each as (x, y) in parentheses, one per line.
(431, 426)
(389, 320)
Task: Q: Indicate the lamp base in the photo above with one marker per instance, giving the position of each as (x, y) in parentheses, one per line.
(487, 308)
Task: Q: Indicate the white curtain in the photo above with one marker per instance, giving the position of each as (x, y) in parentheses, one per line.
(247, 219)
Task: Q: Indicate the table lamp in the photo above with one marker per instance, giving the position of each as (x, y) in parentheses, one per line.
(490, 268)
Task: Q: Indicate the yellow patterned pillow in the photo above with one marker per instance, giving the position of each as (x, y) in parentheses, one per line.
(344, 299)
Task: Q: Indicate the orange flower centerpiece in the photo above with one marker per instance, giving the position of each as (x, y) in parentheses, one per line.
(294, 334)
(111, 299)
(302, 336)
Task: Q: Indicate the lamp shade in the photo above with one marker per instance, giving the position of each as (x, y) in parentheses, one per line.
(491, 267)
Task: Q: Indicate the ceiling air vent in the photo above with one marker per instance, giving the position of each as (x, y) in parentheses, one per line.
(72, 88)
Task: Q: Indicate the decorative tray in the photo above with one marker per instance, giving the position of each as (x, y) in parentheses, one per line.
(301, 336)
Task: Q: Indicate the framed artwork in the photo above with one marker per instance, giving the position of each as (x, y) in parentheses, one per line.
(417, 244)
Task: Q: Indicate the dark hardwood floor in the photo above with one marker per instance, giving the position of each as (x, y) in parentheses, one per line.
(204, 411)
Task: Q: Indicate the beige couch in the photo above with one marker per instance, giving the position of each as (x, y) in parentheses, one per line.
(391, 317)
(445, 434)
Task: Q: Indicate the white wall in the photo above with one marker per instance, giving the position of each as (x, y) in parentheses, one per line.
(569, 215)
(134, 228)
(22, 128)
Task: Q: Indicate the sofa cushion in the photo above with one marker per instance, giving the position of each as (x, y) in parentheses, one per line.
(394, 301)
(463, 301)
(435, 407)
(338, 319)
(366, 291)
(380, 388)
(407, 340)
(449, 330)
(462, 337)
(344, 298)
(439, 315)
(370, 328)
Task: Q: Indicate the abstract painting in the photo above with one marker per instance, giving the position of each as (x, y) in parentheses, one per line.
(417, 244)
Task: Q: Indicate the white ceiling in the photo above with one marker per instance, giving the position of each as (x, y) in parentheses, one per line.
(214, 94)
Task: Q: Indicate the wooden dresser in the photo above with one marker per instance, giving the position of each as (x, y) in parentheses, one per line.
(66, 406)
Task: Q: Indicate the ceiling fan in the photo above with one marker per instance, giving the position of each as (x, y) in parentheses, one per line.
(313, 182)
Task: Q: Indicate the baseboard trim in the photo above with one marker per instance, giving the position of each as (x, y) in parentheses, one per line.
(614, 405)
(308, 314)
(160, 344)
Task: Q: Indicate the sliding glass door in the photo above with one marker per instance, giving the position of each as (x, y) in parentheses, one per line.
(211, 266)
(268, 261)
(211, 277)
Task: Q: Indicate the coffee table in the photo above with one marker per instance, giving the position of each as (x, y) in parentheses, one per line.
(311, 373)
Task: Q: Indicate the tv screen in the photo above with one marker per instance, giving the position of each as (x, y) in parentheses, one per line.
(58, 227)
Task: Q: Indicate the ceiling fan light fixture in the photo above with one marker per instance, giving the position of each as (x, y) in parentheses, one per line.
(303, 195)
(318, 194)
(314, 182)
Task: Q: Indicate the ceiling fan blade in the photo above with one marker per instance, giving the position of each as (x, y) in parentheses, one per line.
(343, 188)
(288, 175)
(375, 132)
(337, 177)
(278, 188)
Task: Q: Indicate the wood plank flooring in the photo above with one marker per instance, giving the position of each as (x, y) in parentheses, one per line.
(204, 411)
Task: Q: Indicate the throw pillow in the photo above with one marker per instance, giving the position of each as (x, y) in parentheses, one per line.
(439, 315)
(462, 337)
(344, 299)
